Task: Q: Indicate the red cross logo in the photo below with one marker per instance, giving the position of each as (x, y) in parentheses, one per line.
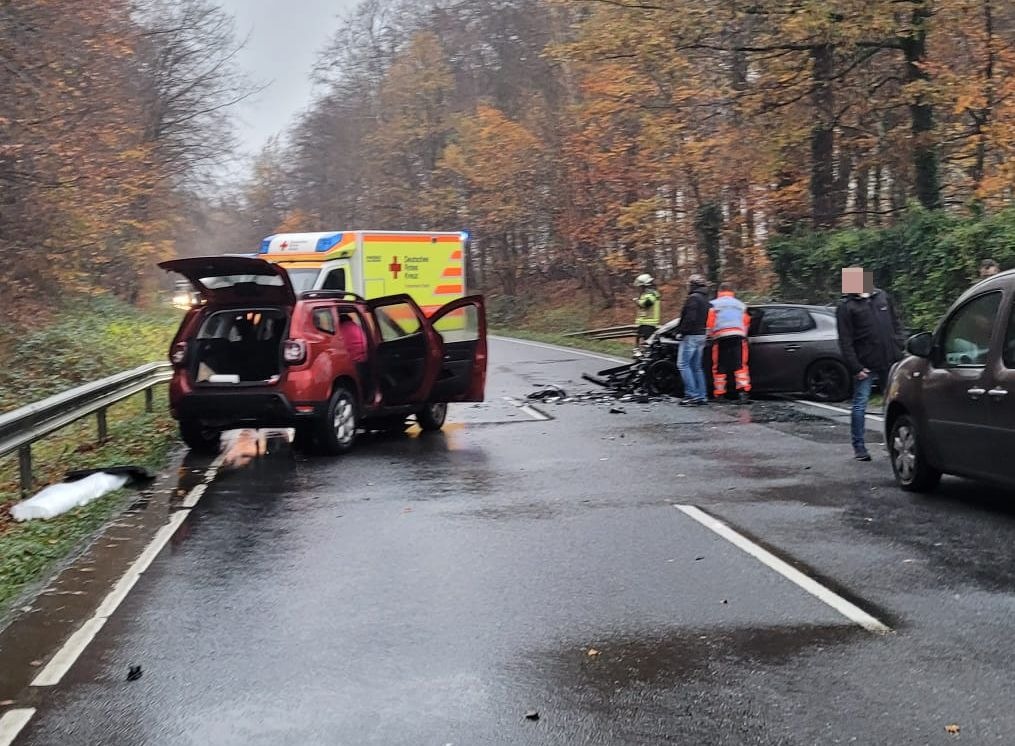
(395, 267)
(284, 245)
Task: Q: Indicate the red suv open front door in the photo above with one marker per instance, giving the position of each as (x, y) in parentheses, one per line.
(408, 351)
(461, 325)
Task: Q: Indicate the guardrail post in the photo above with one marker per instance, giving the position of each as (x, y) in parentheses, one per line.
(149, 399)
(25, 468)
(103, 429)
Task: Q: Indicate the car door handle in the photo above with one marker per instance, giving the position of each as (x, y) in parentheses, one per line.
(976, 393)
(791, 348)
(997, 393)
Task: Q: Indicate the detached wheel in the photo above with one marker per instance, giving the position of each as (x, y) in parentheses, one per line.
(431, 417)
(664, 378)
(912, 471)
(827, 381)
(336, 432)
(199, 438)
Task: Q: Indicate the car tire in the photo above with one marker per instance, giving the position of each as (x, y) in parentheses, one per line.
(664, 378)
(336, 432)
(912, 472)
(827, 381)
(200, 438)
(431, 417)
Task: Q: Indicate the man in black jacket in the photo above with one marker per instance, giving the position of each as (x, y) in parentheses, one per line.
(871, 339)
(691, 329)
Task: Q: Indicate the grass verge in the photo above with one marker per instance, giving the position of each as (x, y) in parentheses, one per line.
(85, 341)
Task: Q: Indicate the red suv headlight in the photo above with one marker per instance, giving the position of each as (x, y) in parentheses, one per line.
(294, 351)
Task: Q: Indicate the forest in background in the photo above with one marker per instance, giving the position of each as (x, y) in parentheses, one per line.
(580, 141)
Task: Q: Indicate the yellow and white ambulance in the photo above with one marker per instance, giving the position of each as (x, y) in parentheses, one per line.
(430, 267)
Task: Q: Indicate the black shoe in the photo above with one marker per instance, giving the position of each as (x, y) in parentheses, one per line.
(861, 456)
(686, 402)
(700, 402)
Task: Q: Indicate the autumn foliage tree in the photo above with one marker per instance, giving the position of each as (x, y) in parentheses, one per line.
(107, 116)
(593, 139)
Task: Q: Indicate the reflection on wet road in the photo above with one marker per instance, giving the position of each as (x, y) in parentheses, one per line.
(433, 589)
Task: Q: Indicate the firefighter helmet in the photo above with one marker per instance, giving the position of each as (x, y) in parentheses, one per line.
(643, 279)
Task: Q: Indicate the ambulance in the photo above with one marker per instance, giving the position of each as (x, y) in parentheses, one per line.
(429, 267)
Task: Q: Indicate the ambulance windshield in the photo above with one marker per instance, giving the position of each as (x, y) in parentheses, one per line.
(303, 280)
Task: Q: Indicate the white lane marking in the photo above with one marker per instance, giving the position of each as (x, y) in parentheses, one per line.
(851, 611)
(833, 408)
(12, 722)
(530, 411)
(71, 650)
(558, 348)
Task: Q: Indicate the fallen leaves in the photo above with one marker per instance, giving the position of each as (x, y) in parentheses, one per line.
(952, 728)
(593, 653)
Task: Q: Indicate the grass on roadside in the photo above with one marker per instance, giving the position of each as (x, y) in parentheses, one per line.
(84, 341)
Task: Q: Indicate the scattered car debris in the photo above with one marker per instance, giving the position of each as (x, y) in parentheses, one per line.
(532, 715)
(134, 673)
(618, 410)
(548, 393)
(135, 474)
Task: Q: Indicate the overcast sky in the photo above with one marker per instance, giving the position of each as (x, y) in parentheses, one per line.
(285, 38)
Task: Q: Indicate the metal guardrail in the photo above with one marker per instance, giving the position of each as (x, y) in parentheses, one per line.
(22, 427)
(610, 332)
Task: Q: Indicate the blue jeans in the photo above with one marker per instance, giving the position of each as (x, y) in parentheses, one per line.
(858, 419)
(689, 363)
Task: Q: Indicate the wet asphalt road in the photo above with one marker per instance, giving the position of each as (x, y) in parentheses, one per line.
(432, 590)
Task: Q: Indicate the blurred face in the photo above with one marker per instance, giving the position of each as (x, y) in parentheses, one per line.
(989, 270)
(855, 280)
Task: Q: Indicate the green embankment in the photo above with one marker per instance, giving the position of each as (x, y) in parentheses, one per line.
(82, 342)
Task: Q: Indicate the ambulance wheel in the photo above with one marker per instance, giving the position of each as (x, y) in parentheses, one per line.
(336, 432)
(199, 438)
(431, 417)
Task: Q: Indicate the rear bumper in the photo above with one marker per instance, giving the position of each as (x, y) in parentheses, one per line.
(226, 408)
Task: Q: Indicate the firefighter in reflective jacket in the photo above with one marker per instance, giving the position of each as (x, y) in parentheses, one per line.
(649, 312)
(728, 323)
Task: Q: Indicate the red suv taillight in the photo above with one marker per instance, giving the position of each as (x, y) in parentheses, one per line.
(178, 355)
(294, 351)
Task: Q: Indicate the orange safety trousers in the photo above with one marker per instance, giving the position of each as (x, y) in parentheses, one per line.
(730, 352)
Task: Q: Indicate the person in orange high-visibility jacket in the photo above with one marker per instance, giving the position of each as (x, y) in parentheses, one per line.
(728, 322)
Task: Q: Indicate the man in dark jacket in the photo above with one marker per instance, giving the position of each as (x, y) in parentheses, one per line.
(691, 329)
(871, 338)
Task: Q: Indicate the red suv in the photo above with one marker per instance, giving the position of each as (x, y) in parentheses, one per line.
(256, 354)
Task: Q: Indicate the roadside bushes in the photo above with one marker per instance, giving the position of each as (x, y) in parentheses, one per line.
(926, 260)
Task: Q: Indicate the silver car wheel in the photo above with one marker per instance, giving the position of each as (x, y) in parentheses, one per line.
(345, 421)
(904, 452)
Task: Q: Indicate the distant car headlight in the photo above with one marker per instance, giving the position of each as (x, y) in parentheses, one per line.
(183, 300)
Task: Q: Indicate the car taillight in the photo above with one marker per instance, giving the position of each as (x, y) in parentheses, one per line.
(178, 355)
(294, 351)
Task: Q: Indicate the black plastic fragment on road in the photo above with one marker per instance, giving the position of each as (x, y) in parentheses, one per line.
(134, 474)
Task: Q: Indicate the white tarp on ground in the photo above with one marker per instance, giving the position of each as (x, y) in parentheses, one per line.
(57, 499)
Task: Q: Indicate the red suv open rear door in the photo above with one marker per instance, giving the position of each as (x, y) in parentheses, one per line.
(235, 279)
(461, 325)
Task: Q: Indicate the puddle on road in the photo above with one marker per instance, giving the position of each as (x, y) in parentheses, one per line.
(685, 655)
